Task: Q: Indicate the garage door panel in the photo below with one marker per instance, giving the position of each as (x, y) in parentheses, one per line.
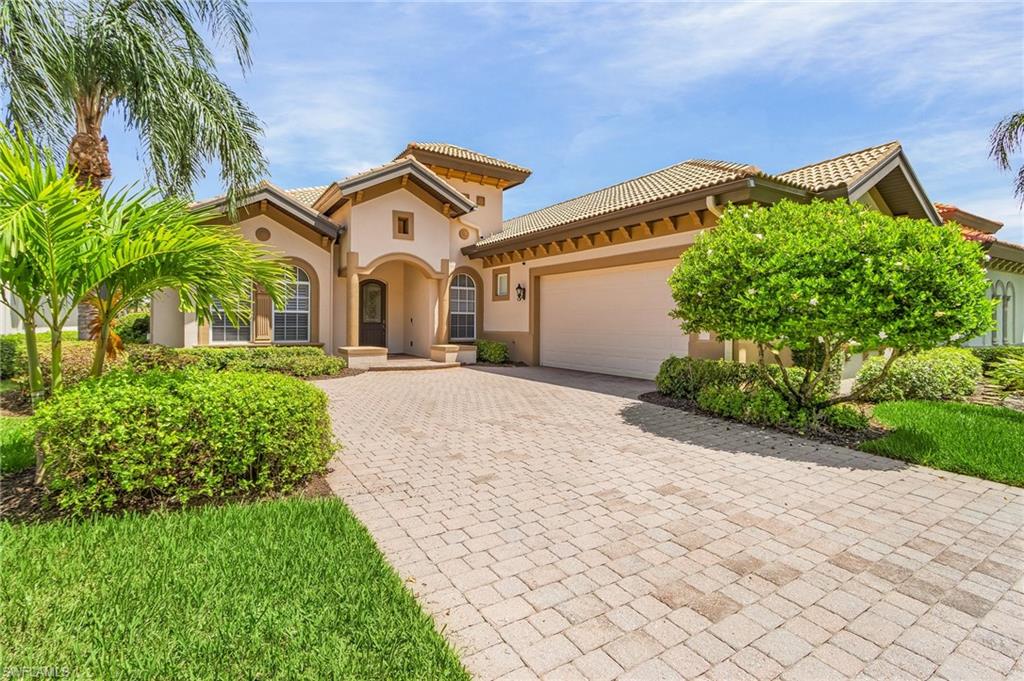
(612, 321)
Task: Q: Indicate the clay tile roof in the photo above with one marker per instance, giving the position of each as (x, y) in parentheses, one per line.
(977, 235)
(675, 180)
(946, 210)
(307, 196)
(465, 155)
(839, 171)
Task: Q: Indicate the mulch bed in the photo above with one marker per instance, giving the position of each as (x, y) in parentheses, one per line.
(22, 501)
(841, 438)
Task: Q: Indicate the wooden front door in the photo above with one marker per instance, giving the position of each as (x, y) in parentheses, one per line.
(373, 308)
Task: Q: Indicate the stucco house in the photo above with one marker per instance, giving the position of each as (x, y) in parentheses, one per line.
(414, 257)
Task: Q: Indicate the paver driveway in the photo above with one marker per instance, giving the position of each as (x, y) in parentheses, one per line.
(555, 526)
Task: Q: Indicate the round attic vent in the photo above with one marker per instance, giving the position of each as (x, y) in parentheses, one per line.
(263, 234)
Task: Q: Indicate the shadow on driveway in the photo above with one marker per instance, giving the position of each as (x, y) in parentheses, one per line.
(728, 436)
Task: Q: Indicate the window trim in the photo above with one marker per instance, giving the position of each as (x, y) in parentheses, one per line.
(396, 215)
(475, 288)
(495, 297)
(308, 312)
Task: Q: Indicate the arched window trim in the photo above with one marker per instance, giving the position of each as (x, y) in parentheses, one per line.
(292, 323)
(997, 311)
(1009, 315)
(462, 308)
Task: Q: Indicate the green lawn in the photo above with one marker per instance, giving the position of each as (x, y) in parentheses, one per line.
(987, 442)
(274, 590)
(15, 444)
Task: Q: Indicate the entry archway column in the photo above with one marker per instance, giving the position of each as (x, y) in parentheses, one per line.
(352, 282)
(443, 293)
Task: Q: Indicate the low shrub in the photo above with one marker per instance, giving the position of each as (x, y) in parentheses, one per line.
(492, 352)
(844, 417)
(133, 327)
(128, 439)
(1009, 373)
(939, 374)
(300, 361)
(724, 400)
(994, 355)
(684, 377)
(13, 358)
(76, 363)
(758, 405)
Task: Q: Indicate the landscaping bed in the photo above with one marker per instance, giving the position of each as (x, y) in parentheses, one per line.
(280, 589)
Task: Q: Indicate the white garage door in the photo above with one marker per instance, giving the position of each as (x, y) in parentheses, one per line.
(610, 321)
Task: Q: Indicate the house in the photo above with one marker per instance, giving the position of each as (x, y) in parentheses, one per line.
(413, 257)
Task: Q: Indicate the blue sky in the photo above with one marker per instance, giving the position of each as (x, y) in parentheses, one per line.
(591, 94)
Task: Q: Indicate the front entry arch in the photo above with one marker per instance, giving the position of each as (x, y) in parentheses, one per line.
(373, 313)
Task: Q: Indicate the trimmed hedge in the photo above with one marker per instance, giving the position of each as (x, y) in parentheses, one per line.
(13, 358)
(492, 352)
(994, 355)
(128, 440)
(300, 361)
(133, 327)
(938, 374)
(684, 377)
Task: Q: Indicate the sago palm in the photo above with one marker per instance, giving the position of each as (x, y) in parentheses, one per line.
(66, 64)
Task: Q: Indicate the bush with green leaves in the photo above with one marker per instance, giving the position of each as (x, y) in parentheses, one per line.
(758, 405)
(939, 374)
(13, 356)
(684, 377)
(127, 439)
(300, 361)
(834, 274)
(844, 417)
(991, 356)
(76, 363)
(1009, 373)
(492, 352)
(133, 327)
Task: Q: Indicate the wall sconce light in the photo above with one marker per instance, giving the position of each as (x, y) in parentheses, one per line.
(520, 292)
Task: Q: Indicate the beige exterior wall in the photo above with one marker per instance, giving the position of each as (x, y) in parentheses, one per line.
(487, 217)
(370, 230)
(166, 320)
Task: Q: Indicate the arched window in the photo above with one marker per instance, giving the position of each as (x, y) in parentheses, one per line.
(291, 323)
(223, 331)
(462, 303)
(1009, 316)
(997, 311)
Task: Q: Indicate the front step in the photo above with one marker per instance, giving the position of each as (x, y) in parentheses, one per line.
(404, 365)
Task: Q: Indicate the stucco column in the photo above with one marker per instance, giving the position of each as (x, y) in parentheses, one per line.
(352, 282)
(442, 310)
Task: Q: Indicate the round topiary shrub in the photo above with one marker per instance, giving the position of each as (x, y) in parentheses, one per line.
(939, 374)
(129, 440)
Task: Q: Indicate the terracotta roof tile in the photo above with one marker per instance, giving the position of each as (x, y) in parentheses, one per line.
(839, 171)
(464, 154)
(675, 180)
(307, 196)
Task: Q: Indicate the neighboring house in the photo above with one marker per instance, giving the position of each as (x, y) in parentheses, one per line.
(413, 257)
(11, 322)
(1005, 270)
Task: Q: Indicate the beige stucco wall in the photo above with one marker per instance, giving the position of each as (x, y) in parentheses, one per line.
(488, 216)
(371, 232)
(166, 321)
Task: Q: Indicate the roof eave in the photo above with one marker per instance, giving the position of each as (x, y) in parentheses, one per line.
(890, 162)
(268, 192)
(430, 181)
(513, 177)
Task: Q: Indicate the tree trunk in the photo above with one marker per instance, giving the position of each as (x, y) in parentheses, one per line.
(88, 153)
(100, 351)
(35, 373)
(56, 368)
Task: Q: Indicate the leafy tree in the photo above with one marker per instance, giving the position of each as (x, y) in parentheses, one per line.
(66, 64)
(830, 278)
(62, 242)
(1006, 140)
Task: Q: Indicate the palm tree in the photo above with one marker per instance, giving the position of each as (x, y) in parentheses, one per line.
(66, 64)
(62, 242)
(1007, 139)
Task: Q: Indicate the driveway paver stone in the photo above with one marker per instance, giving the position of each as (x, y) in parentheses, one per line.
(557, 527)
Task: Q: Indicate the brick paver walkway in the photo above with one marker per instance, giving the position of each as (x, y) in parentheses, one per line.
(556, 527)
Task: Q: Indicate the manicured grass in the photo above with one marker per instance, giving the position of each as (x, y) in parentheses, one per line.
(987, 442)
(275, 590)
(16, 451)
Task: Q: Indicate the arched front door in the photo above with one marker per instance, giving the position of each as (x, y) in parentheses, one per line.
(373, 307)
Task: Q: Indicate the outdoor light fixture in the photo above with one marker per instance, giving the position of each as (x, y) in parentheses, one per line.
(520, 292)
